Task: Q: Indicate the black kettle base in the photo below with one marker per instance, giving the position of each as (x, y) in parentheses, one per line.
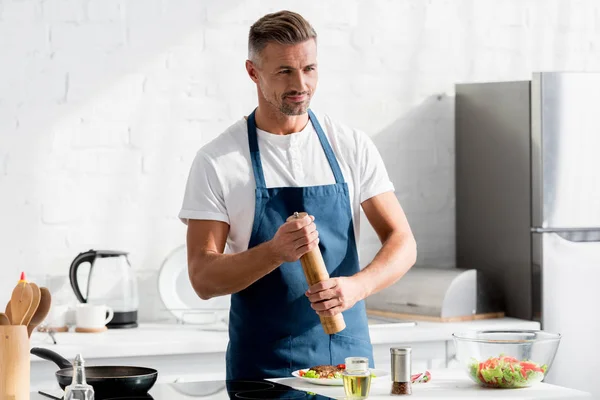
(123, 326)
(123, 320)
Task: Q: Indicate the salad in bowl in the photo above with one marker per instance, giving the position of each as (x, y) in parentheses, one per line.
(506, 359)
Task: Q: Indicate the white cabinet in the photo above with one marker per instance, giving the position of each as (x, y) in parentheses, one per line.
(205, 367)
(211, 366)
(424, 355)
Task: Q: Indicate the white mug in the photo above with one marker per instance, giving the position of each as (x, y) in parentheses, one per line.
(57, 316)
(92, 315)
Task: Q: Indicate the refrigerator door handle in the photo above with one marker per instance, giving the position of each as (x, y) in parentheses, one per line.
(573, 234)
(580, 236)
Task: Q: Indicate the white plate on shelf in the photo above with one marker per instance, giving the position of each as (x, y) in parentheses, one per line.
(179, 297)
(379, 373)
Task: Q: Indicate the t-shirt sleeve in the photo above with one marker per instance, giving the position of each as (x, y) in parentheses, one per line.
(374, 179)
(203, 197)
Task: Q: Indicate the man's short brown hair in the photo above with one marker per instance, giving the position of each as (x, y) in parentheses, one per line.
(283, 27)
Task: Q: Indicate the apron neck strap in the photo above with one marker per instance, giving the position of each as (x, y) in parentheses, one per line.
(259, 176)
(335, 167)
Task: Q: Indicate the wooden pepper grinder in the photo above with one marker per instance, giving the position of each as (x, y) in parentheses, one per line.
(315, 272)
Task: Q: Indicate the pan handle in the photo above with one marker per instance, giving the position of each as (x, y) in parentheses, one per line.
(49, 355)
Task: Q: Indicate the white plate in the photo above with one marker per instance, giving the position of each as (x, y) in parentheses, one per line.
(379, 373)
(179, 297)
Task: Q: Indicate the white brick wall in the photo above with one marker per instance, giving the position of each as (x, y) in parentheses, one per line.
(104, 103)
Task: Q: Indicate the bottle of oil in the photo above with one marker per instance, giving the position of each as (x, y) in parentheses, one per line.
(357, 378)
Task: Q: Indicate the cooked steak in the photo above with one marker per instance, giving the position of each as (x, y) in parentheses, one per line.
(326, 371)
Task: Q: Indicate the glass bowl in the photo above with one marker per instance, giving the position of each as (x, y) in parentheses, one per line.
(506, 359)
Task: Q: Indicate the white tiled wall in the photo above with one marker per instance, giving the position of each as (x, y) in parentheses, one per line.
(103, 104)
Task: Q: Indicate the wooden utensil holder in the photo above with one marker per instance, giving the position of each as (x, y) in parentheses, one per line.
(14, 363)
(315, 271)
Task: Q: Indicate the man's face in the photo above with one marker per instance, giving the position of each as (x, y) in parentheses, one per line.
(287, 76)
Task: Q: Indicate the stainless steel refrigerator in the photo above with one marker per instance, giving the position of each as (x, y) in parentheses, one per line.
(528, 206)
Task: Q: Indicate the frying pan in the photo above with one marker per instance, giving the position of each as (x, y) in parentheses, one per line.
(107, 381)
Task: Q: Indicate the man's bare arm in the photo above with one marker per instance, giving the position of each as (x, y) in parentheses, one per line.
(399, 249)
(213, 273)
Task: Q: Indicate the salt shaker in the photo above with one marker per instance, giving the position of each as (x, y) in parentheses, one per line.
(79, 389)
(401, 371)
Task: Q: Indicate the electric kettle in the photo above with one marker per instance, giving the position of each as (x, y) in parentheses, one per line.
(110, 281)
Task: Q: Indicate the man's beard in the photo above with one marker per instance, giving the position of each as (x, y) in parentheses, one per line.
(294, 109)
(291, 109)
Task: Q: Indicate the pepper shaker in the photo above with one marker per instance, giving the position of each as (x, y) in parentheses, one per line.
(401, 371)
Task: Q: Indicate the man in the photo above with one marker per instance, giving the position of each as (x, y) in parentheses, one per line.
(243, 186)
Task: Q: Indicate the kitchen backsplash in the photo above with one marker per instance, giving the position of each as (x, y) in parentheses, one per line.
(104, 103)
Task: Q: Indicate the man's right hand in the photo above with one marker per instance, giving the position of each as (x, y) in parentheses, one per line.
(295, 238)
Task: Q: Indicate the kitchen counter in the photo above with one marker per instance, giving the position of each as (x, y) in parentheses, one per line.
(169, 339)
(444, 384)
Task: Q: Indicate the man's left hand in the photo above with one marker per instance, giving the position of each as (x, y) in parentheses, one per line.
(332, 296)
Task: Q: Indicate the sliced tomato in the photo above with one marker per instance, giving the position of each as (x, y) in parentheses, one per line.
(490, 363)
(530, 367)
(341, 366)
(301, 373)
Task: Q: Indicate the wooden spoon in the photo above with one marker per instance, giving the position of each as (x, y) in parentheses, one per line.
(35, 302)
(4, 319)
(42, 311)
(20, 302)
(8, 313)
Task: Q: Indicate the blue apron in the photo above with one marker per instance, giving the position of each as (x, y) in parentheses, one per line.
(272, 328)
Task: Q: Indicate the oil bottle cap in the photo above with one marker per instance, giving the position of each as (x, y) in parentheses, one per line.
(357, 363)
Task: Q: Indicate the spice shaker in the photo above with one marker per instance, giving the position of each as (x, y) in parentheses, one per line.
(401, 371)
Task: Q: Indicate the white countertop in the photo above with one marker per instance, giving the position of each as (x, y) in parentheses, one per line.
(445, 384)
(167, 339)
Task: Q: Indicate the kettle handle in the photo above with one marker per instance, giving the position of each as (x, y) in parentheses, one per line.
(88, 256)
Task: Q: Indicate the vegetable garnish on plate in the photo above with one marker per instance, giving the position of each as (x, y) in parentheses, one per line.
(506, 372)
(325, 372)
(422, 377)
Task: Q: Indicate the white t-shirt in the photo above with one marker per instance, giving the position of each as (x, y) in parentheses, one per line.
(221, 182)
